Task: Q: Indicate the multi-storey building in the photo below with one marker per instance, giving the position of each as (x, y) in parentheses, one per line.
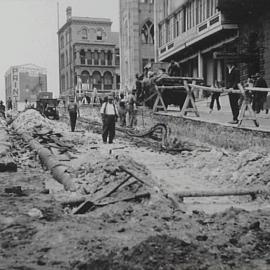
(25, 82)
(203, 34)
(88, 55)
(136, 38)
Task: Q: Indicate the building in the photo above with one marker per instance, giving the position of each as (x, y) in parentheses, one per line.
(136, 38)
(203, 34)
(88, 55)
(24, 82)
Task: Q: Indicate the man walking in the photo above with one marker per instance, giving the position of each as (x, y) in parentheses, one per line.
(232, 80)
(109, 116)
(73, 110)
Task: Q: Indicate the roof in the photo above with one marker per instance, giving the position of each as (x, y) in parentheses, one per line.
(84, 19)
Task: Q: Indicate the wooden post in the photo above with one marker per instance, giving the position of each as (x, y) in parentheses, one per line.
(159, 99)
(246, 105)
(189, 99)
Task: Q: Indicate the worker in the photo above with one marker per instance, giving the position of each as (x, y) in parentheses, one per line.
(122, 110)
(109, 114)
(2, 109)
(232, 80)
(131, 108)
(73, 110)
(9, 103)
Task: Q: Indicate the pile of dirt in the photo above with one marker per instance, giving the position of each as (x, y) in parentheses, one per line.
(28, 120)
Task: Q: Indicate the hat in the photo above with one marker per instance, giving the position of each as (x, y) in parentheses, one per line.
(110, 97)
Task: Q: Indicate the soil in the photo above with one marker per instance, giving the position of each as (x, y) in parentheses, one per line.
(38, 232)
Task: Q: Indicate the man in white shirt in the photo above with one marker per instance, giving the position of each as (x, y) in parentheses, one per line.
(109, 116)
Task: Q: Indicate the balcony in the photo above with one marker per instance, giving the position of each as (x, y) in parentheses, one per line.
(209, 27)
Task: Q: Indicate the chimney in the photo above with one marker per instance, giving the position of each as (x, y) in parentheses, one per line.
(69, 13)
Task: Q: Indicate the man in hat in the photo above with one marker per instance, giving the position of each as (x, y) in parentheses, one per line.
(259, 96)
(109, 116)
(73, 110)
(232, 80)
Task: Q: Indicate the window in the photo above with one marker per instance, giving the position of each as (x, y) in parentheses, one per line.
(117, 57)
(109, 56)
(82, 56)
(66, 57)
(96, 57)
(102, 58)
(89, 57)
(62, 44)
(62, 60)
(108, 81)
(84, 34)
(147, 33)
(85, 77)
(96, 80)
(99, 34)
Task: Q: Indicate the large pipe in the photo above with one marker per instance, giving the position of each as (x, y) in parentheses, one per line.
(58, 170)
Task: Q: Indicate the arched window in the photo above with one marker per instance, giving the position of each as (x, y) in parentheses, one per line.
(84, 34)
(85, 77)
(96, 80)
(108, 81)
(82, 55)
(147, 33)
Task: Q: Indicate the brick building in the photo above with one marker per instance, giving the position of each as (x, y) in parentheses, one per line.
(202, 35)
(88, 55)
(136, 38)
(25, 82)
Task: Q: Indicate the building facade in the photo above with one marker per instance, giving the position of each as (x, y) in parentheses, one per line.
(136, 38)
(88, 55)
(25, 82)
(203, 34)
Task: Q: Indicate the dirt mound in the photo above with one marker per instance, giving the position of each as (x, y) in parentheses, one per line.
(26, 121)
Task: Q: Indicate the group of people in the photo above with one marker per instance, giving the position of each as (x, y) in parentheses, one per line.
(232, 79)
(113, 108)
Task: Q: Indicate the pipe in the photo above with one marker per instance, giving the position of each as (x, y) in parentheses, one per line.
(58, 170)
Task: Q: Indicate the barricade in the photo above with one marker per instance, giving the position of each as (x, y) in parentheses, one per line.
(190, 105)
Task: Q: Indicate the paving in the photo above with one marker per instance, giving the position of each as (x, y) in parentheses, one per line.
(223, 116)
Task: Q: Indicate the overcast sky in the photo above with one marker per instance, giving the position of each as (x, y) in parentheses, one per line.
(28, 32)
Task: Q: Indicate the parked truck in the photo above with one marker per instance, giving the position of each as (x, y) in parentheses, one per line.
(47, 105)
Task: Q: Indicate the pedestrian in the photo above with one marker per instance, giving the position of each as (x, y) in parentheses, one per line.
(2, 109)
(9, 103)
(259, 97)
(109, 116)
(215, 97)
(232, 80)
(122, 110)
(131, 109)
(73, 110)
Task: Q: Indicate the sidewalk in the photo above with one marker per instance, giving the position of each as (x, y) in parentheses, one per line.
(223, 116)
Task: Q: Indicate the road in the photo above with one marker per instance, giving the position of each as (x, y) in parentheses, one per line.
(38, 232)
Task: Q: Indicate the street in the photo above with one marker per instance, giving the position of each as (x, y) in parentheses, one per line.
(41, 230)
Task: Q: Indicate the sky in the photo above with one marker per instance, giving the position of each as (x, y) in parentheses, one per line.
(29, 32)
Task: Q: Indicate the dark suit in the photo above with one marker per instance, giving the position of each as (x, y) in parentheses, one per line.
(232, 79)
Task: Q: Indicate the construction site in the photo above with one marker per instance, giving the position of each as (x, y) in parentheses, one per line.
(164, 197)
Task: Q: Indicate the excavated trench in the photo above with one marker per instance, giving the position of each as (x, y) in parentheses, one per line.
(155, 231)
